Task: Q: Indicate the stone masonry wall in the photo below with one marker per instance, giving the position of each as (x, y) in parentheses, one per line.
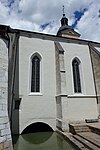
(5, 134)
(96, 67)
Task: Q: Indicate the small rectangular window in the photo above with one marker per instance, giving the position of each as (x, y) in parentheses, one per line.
(17, 104)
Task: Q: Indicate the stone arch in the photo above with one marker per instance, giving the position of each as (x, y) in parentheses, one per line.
(36, 54)
(37, 127)
(76, 58)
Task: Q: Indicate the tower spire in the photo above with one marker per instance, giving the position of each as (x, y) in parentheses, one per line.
(64, 20)
(65, 30)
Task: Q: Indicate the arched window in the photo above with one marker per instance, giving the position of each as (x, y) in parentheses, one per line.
(76, 75)
(35, 75)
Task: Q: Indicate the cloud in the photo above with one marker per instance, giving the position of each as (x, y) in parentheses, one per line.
(4, 12)
(44, 16)
(89, 24)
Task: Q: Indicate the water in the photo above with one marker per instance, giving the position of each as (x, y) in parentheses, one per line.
(42, 141)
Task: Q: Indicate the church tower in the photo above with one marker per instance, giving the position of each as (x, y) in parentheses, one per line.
(65, 30)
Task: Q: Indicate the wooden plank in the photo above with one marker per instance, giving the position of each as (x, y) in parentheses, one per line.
(91, 137)
(86, 143)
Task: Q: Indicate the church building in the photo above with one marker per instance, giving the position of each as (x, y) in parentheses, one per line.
(52, 79)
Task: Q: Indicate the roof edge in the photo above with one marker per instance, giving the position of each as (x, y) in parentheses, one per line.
(51, 37)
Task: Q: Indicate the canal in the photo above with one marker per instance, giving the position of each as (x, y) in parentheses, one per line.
(41, 141)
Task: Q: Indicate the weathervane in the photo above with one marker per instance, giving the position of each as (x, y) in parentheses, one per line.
(63, 9)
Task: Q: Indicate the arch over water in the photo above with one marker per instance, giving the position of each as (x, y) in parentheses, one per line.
(37, 127)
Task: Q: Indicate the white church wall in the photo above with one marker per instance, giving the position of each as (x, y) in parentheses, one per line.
(79, 109)
(37, 105)
(78, 106)
(56, 87)
(82, 53)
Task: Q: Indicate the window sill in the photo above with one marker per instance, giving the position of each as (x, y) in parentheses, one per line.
(35, 94)
(81, 96)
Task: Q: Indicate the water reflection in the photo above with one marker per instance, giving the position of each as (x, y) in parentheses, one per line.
(42, 141)
(35, 138)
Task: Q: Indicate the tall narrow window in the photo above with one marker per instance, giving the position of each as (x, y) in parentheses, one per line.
(76, 76)
(35, 76)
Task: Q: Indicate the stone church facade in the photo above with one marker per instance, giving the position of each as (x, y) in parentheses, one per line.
(51, 79)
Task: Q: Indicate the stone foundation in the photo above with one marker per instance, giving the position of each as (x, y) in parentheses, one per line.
(5, 134)
(7, 145)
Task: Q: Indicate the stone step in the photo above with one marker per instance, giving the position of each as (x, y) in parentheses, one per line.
(82, 127)
(91, 137)
(79, 125)
(82, 130)
(86, 143)
(94, 127)
(76, 128)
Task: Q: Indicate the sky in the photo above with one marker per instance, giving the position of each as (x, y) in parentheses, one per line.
(44, 16)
